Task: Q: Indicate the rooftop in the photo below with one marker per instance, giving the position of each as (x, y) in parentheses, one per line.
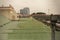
(6, 7)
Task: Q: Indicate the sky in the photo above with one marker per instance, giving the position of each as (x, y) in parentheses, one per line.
(47, 6)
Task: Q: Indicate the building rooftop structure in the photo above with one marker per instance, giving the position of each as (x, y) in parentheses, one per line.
(6, 7)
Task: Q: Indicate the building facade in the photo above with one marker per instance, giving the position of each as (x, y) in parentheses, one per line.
(25, 12)
(8, 12)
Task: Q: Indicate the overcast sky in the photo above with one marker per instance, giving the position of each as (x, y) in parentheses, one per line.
(34, 5)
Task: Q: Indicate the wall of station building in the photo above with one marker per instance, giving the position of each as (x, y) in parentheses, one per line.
(11, 15)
